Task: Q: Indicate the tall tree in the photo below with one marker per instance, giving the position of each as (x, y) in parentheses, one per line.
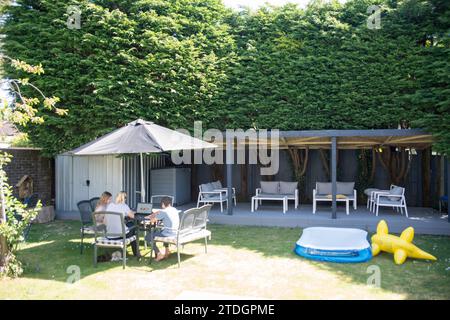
(288, 68)
(324, 68)
(159, 60)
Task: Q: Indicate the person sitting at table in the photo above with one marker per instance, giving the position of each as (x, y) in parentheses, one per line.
(170, 219)
(121, 207)
(102, 204)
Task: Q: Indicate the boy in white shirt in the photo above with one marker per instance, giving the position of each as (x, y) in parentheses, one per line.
(170, 219)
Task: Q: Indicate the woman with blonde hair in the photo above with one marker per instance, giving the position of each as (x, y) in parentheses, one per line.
(121, 197)
(121, 207)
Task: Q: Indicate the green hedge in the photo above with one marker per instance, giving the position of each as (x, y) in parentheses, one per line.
(181, 60)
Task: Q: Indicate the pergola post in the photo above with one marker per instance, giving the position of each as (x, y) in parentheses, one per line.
(448, 187)
(229, 162)
(333, 165)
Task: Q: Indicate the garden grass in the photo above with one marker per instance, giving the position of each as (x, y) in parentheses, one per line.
(241, 261)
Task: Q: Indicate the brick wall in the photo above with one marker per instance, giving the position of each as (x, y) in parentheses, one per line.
(30, 162)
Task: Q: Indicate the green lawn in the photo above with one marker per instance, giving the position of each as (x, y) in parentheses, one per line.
(241, 261)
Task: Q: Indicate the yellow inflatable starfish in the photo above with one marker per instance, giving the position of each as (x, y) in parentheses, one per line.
(401, 247)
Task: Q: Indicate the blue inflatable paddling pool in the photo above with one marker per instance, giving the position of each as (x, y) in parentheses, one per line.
(342, 245)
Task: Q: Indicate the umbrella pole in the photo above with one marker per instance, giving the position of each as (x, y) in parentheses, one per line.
(142, 179)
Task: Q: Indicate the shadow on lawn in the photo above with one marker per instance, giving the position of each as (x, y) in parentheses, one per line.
(420, 279)
(53, 248)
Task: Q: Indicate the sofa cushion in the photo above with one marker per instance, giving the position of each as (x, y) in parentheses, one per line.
(208, 187)
(323, 188)
(217, 184)
(102, 241)
(397, 191)
(287, 187)
(345, 187)
(329, 197)
(215, 197)
(387, 202)
(270, 187)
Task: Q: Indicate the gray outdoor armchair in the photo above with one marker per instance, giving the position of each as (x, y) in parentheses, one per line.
(371, 196)
(192, 227)
(213, 192)
(217, 186)
(395, 199)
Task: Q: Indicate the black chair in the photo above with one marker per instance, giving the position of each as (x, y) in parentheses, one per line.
(32, 200)
(84, 207)
(93, 203)
(26, 231)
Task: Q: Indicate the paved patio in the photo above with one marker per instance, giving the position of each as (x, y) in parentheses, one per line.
(424, 220)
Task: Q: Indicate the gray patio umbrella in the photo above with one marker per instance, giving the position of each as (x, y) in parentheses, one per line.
(141, 136)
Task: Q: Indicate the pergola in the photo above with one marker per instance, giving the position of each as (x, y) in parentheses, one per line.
(333, 140)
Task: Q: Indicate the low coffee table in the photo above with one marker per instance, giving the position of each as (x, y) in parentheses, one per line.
(339, 198)
(258, 197)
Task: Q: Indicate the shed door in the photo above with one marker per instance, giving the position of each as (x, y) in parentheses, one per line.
(97, 176)
(80, 178)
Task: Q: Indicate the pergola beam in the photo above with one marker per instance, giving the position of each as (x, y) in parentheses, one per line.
(364, 139)
(353, 133)
(408, 138)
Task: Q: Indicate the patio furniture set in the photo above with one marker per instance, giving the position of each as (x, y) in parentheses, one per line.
(284, 191)
(193, 226)
(276, 191)
(193, 221)
(394, 198)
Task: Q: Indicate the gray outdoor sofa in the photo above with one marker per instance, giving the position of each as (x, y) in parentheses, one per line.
(276, 190)
(345, 193)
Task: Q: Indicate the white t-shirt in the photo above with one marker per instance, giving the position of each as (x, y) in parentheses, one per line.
(113, 223)
(118, 207)
(170, 219)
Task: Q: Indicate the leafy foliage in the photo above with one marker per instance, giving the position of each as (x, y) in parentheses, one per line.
(159, 60)
(18, 217)
(24, 110)
(322, 68)
(178, 61)
(14, 217)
